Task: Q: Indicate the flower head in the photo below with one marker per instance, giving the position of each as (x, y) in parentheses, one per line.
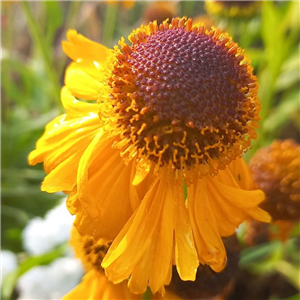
(276, 170)
(178, 105)
(183, 97)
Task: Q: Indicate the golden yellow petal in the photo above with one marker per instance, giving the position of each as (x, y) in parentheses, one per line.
(205, 228)
(63, 177)
(142, 170)
(95, 286)
(229, 217)
(75, 108)
(186, 257)
(64, 141)
(237, 174)
(104, 189)
(81, 84)
(80, 48)
(239, 198)
(152, 224)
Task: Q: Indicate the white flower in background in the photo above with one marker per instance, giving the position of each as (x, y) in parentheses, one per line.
(41, 235)
(52, 281)
(8, 262)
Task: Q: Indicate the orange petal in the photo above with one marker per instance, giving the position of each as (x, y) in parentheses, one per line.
(186, 257)
(104, 189)
(207, 237)
(95, 286)
(150, 229)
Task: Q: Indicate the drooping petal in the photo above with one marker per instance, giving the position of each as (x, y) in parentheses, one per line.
(237, 174)
(186, 257)
(80, 48)
(229, 185)
(81, 84)
(64, 141)
(207, 236)
(104, 190)
(95, 286)
(144, 248)
(217, 206)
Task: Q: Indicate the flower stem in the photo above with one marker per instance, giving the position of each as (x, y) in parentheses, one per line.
(40, 42)
(109, 24)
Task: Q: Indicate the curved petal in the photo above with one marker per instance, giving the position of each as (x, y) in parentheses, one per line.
(208, 240)
(80, 48)
(104, 190)
(217, 206)
(237, 174)
(81, 84)
(64, 141)
(186, 256)
(95, 286)
(144, 248)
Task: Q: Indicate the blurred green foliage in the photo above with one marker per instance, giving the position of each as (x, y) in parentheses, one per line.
(32, 68)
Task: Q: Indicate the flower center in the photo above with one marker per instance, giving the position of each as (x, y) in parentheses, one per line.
(93, 253)
(184, 95)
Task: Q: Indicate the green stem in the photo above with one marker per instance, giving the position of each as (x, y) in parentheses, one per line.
(43, 48)
(109, 24)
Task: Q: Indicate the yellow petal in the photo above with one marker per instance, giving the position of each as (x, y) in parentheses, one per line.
(142, 170)
(104, 189)
(64, 141)
(150, 229)
(207, 237)
(81, 84)
(79, 48)
(228, 216)
(95, 286)
(237, 174)
(186, 257)
(75, 108)
(63, 177)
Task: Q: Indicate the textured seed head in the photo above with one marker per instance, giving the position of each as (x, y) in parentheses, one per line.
(89, 251)
(276, 170)
(184, 96)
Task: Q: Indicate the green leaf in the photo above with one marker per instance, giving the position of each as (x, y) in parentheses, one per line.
(294, 297)
(254, 256)
(55, 19)
(290, 74)
(290, 272)
(281, 113)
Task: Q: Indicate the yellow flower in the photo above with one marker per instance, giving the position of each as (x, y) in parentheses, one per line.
(276, 170)
(178, 106)
(95, 285)
(232, 8)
